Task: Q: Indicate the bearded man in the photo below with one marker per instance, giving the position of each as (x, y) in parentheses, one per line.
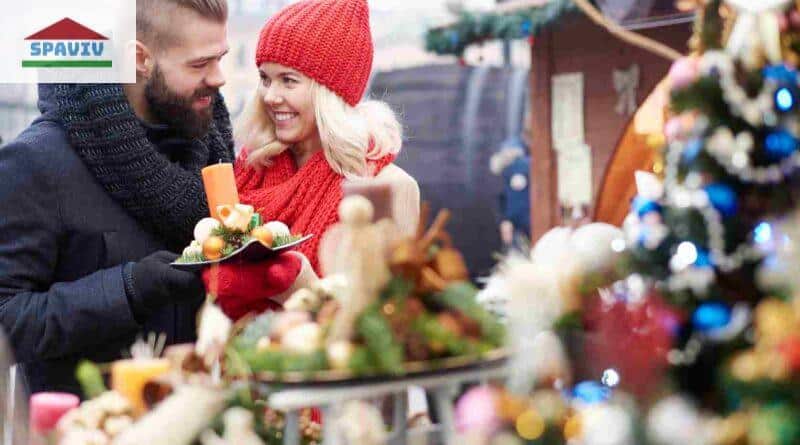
(101, 187)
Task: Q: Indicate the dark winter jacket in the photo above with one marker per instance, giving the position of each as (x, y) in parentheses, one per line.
(65, 243)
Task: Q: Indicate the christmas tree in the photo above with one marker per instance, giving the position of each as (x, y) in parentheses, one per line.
(699, 343)
(715, 240)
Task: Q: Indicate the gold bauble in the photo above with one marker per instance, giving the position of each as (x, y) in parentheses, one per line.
(510, 406)
(550, 404)
(746, 366)
(775, 320)
(212, 247)
(530, 425)
(775, 366)
(573, 428)
(656, 140)
(263, 235)
(658, 166)
(731, 430)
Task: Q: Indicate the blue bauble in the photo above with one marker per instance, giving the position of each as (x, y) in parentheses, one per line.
(780, 144)
(722, 197)
(692, 149)
(643, 206)
(781, 74)
(703, 259)
(711, 316)
(591, 392)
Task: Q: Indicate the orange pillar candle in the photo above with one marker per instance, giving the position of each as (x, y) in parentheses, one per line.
(128, 378)
(220, 185)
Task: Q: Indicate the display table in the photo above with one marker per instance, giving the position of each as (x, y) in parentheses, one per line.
(442, 387)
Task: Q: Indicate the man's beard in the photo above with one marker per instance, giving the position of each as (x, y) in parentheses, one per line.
(175, 111)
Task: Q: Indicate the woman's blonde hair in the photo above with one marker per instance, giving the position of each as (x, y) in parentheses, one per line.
(350, 135)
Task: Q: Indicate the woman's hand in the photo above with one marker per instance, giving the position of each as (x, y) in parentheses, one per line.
(243, 287)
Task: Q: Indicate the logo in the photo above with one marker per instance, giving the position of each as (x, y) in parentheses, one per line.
(67, 44)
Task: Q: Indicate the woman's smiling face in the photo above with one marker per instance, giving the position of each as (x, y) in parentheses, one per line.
(288, 96)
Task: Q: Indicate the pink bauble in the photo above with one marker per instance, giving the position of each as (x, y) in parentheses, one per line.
(476, 411)
(688, 121)
(672, 129)
(683, 72)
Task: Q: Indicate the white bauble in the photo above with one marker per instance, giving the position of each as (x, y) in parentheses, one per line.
(193, 249)
(592, 246)
(278, 229)
(332, 286)
(302, 300)
(606, 424)
(649, 186)
(114, 426)
(302, 339)
(204, 228)
(339, 354)
(675, 420)
(552, 246)
(506, 438)
(286, 321)
(359, 423)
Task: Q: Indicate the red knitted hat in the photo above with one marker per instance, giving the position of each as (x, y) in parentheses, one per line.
(327, 40)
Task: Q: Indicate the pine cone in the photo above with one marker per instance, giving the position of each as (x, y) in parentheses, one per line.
(416, 347)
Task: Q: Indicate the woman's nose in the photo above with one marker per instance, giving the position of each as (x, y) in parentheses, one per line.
(271, 96)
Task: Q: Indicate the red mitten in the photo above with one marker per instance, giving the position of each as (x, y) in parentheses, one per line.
(244, 287)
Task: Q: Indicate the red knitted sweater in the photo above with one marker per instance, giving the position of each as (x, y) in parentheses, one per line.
(307, 200)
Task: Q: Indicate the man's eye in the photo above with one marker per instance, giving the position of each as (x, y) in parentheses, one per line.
(200, 65)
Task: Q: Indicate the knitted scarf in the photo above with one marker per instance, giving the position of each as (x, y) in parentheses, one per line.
(305, 199)
(167, 198)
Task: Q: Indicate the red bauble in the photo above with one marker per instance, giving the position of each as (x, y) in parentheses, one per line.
(631, 338)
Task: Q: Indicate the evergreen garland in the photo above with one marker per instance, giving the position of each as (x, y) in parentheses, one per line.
(473, 27)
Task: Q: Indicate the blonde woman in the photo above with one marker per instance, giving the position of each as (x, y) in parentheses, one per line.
(305, 132)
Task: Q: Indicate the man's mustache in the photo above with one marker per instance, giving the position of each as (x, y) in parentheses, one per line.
(206, 92)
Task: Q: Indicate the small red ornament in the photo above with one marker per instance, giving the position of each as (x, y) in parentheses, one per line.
(790, 350)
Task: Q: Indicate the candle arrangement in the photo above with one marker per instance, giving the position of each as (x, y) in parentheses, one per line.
(233, 229)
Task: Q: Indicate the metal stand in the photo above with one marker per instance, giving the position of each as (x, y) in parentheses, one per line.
(443, 387)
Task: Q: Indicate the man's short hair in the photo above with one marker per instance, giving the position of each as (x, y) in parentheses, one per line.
(153, 18)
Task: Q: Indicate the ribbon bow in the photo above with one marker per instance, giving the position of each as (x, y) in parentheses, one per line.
(625, 83)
